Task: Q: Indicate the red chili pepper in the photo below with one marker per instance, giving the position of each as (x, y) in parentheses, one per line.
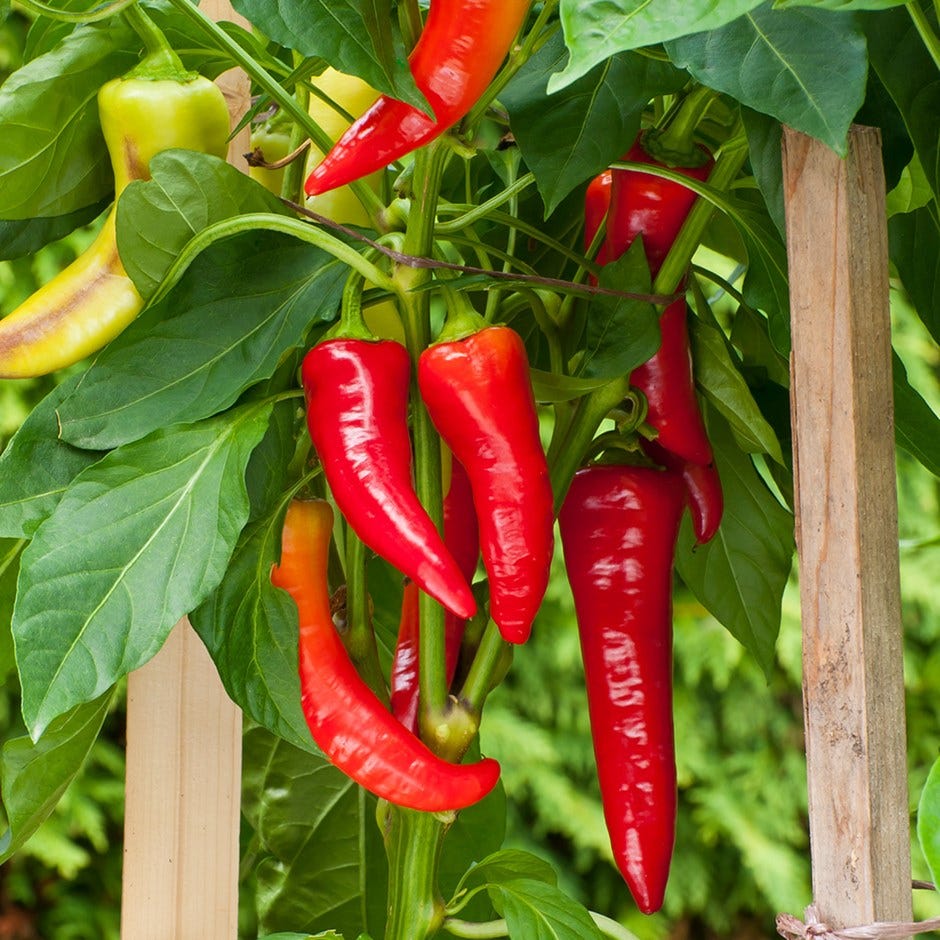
(478, 393)
(656, 208)
(703, 490)
(462, 45)
(346, 720)
(461, 536)
(618, 528)
(357, 407)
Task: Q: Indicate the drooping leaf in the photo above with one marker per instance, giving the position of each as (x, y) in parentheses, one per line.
(26, 236)
(905, 67)
(764, 145)
(539, 911)
(621, 332)
(351, 36)
(138, 540)
(239, 308)
(879, 110)
(10, 550)
(572, 135)
(37, 467)
(916, 426)
(928, 821)
(595, 31)
(805, 67)
(740, 575)
(914, 246)
(34, 776)
(188, 191)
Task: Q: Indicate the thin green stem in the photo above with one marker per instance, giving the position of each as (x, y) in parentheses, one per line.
(161, 60)
(471, 215)
(38, 8)
(294, 171)
(359, 637)
(925, 30)
(267, 84)
(409, 19)
(485, 664)
(483, 931)
(419, 241)
(274, 223)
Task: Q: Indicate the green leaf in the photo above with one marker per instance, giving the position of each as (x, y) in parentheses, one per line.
(329, 935)
(912, 192)
(928, 821)
(239, 308)
(34, 776)
(138, 540)
(312, 824)
(621, 332)
(595, 31)
(879, 110)
(250, 630)
(26, 236)
(539, 911)
(188, 192)
(53, 160)
(351, 36)
(720, 379)
(573, 135)
(37, 467)
(740, 575)
(552, 387)
(10, 550)
(805, 67)
(840, 4)
(914, 247)
(764, 145)
(916, 426)
(510, 865)
(905, 67)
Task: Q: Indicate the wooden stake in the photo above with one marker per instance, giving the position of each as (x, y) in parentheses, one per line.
(847, 532)
(181, 826)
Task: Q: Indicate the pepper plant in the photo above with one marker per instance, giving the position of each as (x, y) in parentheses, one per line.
(518, 260)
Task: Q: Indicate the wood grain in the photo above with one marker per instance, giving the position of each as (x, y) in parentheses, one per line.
(847, 537)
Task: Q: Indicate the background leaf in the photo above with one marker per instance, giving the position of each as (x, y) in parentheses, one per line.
(26, 236)
(805, 67)
(138, 540)
(238, 309)
(345, 33)
(917, 428)
(595, 31)
(928, 821)
(914, 243)
(539, 911)
(34, 776)
(740, 575)
(574, 134)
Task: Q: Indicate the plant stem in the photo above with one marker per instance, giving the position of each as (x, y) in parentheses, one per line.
(487, 931)
(413, 844)
(927, 35)
(485, 663)
(419, 241)
(161, 60)
(472, 215)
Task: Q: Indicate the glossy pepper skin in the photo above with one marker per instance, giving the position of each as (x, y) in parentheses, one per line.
(618, 528)
(357, 414)
(643, 204)
(461, 536)
(346, 720)
(478, 393)
(596, 206)
(92, 300)
(460, 49)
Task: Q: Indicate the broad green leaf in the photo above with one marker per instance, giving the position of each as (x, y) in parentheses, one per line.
(805, 67)
(510, 865)
(138, 540)
(250, 630)
(621, 332)
(764, 145)
(10, 550)
(916, 426)
(740, 575)
(928, 821)
(595, 31)
(879, 110)
(840, 4)
(312, 824)
(751, 336)
(905, 67)
(574, 134)
(188, 191)
(914, 244)
(37, 467)
(239, 308)
(52, 156)
(26, 236)
(34, 776)
(347, 34)
(720, 379)
(539, 911)
(912, 192)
